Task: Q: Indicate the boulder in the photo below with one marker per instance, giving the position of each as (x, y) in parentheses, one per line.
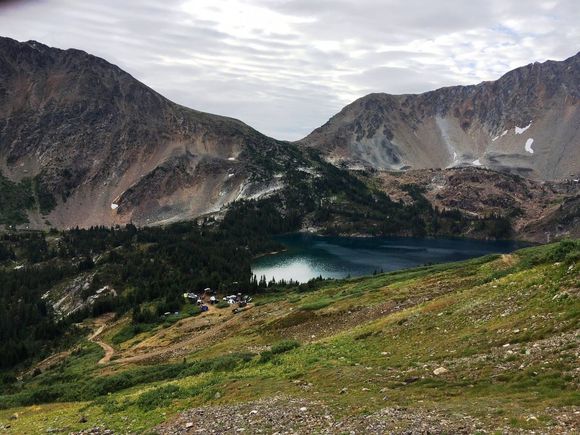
(439, 371)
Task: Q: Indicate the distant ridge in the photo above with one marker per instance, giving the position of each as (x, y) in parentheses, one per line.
(527, 122)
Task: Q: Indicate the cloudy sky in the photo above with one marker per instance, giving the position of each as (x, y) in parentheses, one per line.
(286, 66)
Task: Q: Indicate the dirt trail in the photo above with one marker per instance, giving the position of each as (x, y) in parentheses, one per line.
(109, 351)
(220, 323)
(219, 326)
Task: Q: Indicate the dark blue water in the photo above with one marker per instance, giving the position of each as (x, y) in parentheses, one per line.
(310, 256)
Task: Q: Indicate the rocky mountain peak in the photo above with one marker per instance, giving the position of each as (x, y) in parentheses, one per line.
(110, 149)
(477, 125)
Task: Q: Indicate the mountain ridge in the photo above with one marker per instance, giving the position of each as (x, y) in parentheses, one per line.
(98, 147)
(89, 130)
(460, 125)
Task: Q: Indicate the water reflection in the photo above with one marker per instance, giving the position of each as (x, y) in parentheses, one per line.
(309, 256)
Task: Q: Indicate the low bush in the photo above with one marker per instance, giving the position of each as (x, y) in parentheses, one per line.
(159, 397)
(194, 310)
(317, 305)
(285, 346)
(277, 349)
(128, 332)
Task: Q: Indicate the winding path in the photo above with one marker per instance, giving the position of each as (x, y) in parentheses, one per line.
(109, 351)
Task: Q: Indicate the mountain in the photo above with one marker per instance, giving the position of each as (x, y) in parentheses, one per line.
(103, 149)
(83, 143)
(527, 122)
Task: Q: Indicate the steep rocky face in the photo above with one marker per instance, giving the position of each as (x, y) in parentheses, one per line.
(111, 150)
(539, 211)
(527, 122)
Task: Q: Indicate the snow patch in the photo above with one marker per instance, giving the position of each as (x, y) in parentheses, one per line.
(18, 267)
(114, 206)
(443, 126)
(231, 159)
(528, 146)
(230, 175)
(259, 190)
(521, 130)
(476, 162)
(501, 135)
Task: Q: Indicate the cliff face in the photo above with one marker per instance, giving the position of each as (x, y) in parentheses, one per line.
(111, 150)
(526, 122)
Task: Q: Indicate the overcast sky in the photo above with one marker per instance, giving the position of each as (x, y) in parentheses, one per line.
(286, 66)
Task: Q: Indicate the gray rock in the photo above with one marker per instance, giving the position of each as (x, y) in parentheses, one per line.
(439, 371)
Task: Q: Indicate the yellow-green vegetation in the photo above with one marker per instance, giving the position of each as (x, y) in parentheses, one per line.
(495, 338)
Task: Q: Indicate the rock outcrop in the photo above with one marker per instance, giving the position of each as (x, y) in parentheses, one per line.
(527, 122)
(111, 150)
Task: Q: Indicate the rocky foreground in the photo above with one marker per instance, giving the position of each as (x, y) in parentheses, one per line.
(283, 415)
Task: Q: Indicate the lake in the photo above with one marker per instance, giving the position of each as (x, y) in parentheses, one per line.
(309, 256)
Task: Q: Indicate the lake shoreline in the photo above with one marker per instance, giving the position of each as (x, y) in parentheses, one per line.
(266, 254)
(309, 255)
(318, 232)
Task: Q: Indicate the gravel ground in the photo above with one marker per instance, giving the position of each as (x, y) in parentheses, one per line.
(282, 415)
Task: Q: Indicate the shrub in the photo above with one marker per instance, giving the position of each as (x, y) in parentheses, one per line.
(277, 349)
(194, 310)
(284, 346)
(159, 397)
(317, 305)
(562, 250)
(266, 356)
(229, 362)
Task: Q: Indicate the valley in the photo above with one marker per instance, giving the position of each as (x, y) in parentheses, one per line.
(489, 344)
(122, 213)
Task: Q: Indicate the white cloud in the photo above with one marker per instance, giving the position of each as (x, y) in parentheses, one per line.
(286, 66)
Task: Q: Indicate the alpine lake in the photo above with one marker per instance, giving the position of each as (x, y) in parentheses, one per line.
(310, 256)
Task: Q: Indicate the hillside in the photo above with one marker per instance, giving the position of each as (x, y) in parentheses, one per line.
(489, 344)
(538, 211)
(106, 149)
(526, 123)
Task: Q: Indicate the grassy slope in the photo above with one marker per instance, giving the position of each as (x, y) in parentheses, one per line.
(505, 328)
